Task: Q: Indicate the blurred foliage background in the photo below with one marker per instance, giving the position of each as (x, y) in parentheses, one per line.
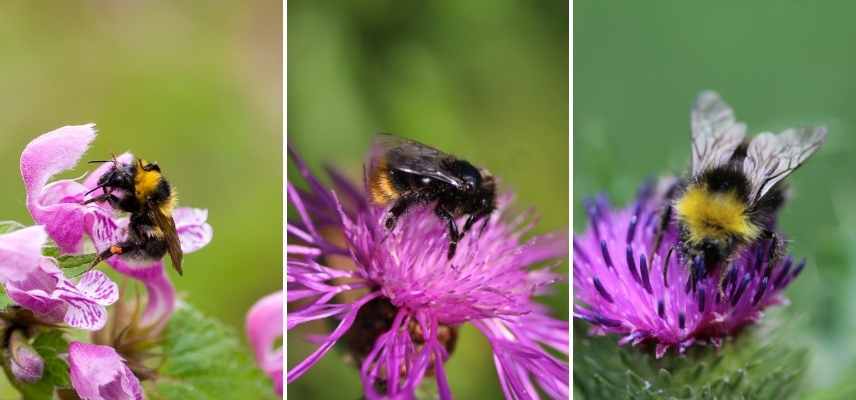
(197, 89)
(487, 81)
(637, 69)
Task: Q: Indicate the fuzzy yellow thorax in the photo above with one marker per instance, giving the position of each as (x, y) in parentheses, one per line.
(709, 215)
(145, 182)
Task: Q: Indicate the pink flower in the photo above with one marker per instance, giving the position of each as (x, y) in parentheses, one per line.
(36, 283)
(58, 206)
(26, 364)
(620, 290)
(99, 373)
(399, 308)
(264, 327)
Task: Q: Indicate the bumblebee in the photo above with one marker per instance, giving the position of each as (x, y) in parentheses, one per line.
(140, 189)
(735, 187)
(406, 173)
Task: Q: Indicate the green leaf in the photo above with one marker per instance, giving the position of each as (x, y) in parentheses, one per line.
(68, 261)
(758, 364)
(205, 360)
(49, 344)
(10, 226)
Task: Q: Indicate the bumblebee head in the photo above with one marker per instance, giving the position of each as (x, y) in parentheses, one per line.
(469, 174)
(119, 176)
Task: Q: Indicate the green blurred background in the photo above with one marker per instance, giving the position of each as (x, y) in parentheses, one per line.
(197, 88)
(638, 67)
(487, 81)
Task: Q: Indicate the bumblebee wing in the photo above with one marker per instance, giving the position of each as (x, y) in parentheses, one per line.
(393, 152)
(170, 235)
(716, 134)
(771, 158)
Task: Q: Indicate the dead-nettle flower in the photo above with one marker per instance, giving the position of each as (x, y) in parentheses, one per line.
(99, 373)
(620, 288)
(264, 328)
(76, 227)
(399, 301)
(34, 282)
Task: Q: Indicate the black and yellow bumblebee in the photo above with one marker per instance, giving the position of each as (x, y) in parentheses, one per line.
(140, 189)
(735, 186)
(407, 173)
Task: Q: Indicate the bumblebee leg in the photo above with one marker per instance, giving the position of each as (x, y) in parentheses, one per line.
(114, 250)
(454, 236)
(401, 205)
(777, 248)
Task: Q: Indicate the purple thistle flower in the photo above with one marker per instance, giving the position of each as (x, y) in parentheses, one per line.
(36, 283)
(620, 290)
(264, 328)
(99, 373)
(400, 304)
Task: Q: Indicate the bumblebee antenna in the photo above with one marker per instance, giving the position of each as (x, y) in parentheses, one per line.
(99, 161)
(93, 189)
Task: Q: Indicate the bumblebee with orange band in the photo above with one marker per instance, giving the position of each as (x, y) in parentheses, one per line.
(140, 189)
(734, 189)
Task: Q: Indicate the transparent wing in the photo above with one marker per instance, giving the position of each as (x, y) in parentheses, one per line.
(715, 132)
(167, 225)
(410, 156)
(771, 158)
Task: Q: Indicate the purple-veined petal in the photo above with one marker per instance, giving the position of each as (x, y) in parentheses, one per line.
(99, 373)
(47, 292)
(264, 328)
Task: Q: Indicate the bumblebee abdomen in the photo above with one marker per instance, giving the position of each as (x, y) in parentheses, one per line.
(712, 215)
(381, 186)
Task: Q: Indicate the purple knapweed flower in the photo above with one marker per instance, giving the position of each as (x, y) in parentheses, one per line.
(36, 283)
(399, 301)
(621, 288)
(99, 373)
(264, 328)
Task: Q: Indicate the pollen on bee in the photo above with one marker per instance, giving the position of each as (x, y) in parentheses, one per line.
(714, 215)
(381, 188)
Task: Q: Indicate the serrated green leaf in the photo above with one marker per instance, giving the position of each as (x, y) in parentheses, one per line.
(205, 360)
(10, 226)
(759, 364)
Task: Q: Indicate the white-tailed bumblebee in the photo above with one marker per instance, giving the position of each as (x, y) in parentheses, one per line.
(735, 186)
(140, 189)
(407, 173)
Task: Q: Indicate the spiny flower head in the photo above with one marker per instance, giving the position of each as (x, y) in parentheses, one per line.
(621, 288)
(400, 300)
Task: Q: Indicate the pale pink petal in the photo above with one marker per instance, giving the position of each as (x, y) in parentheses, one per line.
(160, 299)
(99, 373)
(264, 328)
(193, 232)
(52, 153)
(20, 252)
